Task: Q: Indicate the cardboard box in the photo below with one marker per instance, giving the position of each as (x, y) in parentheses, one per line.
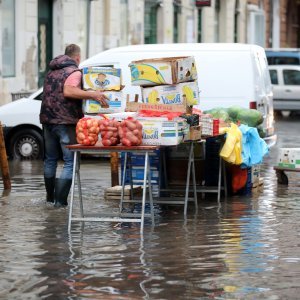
(168, 70)
(194, 133)
(134, 106)
(115, 104)
(172, 94)
(159, 131)
(137, 106)
(289, 158)
(101, 78)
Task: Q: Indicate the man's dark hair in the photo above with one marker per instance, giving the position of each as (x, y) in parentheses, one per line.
(72, 50)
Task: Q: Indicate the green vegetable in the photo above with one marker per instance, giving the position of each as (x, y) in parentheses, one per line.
(250, 117)
(219, 113)
(233, 111)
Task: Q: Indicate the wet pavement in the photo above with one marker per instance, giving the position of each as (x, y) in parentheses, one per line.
(246, 248)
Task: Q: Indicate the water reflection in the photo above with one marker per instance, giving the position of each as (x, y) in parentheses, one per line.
(245, 248)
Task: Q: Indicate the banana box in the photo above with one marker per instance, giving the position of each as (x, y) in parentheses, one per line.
(168, 70)
(160, 131)
(289, 158)
(172, 94)
(115, 104)
(101, 78)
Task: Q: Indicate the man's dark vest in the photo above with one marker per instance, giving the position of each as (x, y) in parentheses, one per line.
(55, 108)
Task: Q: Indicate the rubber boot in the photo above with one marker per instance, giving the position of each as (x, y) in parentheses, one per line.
(62, 188)
(50, 185)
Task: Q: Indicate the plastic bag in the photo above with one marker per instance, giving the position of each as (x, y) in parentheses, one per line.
(87, 130)
(232, 149)
(254, 148)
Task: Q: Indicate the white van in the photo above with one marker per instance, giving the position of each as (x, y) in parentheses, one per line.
(228, 74)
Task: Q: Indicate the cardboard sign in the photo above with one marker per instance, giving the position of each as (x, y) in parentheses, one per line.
(137, 106)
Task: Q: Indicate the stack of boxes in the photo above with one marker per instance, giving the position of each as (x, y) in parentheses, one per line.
(165, 83)
(109, 81)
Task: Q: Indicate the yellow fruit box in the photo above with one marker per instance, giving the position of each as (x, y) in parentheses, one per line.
(168, 70)
(101, 78)
(172, 94)
(161, 131)
(114, 100)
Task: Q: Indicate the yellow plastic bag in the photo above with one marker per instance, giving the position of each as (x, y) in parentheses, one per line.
(232, 149)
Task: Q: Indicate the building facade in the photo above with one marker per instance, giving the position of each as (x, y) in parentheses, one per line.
(34, 31)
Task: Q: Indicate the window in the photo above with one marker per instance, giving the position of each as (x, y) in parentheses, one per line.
(274, 76)
(236, 21)
(283, 60)
(199, 39)
(291, 77)
(8, 38)
(217, 20)
(150, 22)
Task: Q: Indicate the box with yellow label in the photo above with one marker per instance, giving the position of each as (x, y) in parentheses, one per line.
(114, 100)
(172, 94)
(160, 131)
(101, 78)
(168, 70)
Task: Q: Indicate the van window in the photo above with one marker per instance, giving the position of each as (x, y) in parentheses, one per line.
(284, 60)
(274, 76)
(291, 77)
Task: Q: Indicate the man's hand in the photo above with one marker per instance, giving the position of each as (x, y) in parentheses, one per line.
(101, 98)
(77, 93)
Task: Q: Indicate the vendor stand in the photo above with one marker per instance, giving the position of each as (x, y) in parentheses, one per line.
(120, 217)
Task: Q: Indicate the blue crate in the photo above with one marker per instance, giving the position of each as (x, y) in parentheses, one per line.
(138, 159)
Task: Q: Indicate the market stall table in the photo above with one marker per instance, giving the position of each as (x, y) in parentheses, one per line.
(119, 217)
(147, 185)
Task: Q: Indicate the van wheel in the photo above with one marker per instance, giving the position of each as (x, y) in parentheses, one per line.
(26, 144)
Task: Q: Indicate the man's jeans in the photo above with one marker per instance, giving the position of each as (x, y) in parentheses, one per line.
(56, 137)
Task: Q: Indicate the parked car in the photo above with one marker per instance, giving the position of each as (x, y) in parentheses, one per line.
(228, 74)
(21, 127)
(286, 87)
(283, 56)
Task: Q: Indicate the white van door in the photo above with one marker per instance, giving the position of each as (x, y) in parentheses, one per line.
(264, 94)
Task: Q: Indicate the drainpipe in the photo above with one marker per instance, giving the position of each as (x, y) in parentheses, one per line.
(88, 27)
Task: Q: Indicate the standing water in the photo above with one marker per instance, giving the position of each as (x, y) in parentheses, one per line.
(245, 248)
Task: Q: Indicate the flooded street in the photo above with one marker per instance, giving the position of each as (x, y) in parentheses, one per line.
(246, 248)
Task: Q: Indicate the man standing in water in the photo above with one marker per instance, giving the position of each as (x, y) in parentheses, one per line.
(60, 111)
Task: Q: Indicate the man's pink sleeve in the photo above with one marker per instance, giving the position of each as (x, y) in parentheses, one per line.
(74, 79)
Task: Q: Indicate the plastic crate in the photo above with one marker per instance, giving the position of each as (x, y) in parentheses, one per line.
(212, 159)
(138, 159)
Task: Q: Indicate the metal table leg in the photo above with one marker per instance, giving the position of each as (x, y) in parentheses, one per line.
(150, 190)
(123, 181)
(219, 179)
(72, 191)
(144, 192)
(190, 162)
